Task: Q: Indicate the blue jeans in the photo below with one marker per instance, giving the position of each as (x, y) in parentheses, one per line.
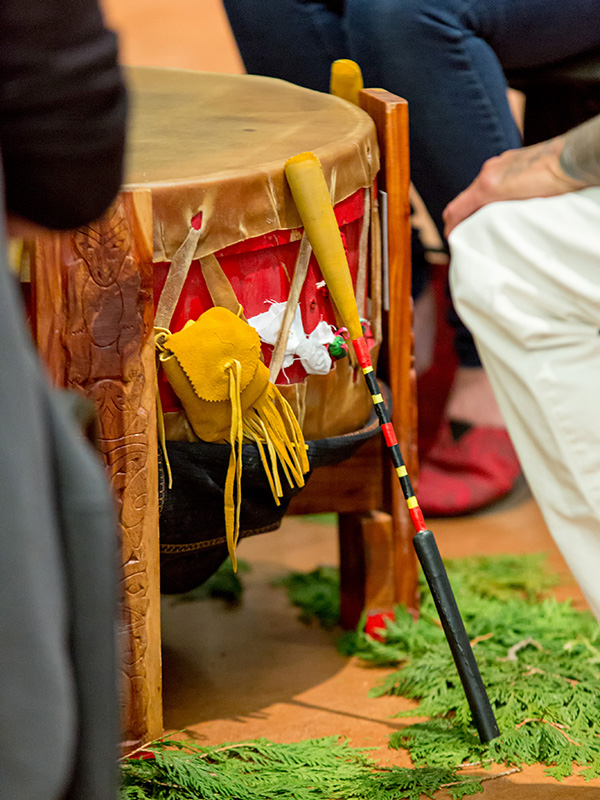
(446, 57)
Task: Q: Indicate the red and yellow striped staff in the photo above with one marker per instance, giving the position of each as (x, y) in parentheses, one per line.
(311, 195)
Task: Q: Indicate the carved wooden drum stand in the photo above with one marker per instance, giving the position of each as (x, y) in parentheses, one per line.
(205, 167)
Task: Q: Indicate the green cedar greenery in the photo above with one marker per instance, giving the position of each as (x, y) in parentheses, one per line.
(540, 662)
(539, 659)
(316, 594)
(314, 769)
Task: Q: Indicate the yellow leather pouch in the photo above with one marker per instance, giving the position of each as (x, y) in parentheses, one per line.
(214, 366)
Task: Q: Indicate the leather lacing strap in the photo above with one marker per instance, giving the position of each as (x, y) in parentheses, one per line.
(192, 547)
(233, 481)
(300, 271)
(363, 251)
(176, 277)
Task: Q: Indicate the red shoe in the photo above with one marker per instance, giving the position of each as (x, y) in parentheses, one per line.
(467, 471)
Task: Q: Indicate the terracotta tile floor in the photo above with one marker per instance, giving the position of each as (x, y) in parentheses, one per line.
(256, 671)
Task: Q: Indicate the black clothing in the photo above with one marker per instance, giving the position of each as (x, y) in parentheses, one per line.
(62, 111)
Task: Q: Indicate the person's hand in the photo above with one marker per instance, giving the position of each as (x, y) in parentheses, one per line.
(533, 171)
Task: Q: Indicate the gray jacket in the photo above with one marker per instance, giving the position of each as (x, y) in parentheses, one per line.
(62, 130)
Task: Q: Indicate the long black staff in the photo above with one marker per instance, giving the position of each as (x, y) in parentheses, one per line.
(311, 195)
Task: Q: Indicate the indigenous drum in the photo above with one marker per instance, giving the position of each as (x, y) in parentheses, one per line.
(211, 150)
(206, 170)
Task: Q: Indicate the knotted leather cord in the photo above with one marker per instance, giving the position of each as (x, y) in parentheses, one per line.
(300, 271)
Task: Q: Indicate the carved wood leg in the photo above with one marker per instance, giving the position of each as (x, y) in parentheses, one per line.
(92, 319)
(367, 565)
(390, 114)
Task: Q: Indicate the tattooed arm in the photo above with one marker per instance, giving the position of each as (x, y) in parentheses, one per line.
(557, 166)
(580, 156)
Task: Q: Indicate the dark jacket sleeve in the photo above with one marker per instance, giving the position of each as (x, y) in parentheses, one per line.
(62, 111)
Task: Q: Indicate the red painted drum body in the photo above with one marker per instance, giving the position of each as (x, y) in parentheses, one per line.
(213, 160)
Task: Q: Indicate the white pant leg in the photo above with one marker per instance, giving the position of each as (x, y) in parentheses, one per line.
(525, 278)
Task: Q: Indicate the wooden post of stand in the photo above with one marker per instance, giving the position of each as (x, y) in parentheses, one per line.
(390, 114)
(92, 319)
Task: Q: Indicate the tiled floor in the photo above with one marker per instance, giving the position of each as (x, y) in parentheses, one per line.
(256, 671)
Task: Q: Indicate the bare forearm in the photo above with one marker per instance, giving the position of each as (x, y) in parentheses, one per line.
(534, 171)
(580, 156)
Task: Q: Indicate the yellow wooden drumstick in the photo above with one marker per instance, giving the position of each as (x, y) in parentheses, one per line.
(346, 80)
(311, 195)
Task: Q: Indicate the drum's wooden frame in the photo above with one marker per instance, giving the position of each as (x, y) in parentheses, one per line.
(92, 321)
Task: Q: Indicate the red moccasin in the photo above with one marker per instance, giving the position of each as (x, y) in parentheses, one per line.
(461, 475)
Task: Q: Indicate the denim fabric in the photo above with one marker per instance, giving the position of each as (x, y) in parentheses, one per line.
(446, 57)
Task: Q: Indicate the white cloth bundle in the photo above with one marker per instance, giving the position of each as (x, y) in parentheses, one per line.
(310, 348)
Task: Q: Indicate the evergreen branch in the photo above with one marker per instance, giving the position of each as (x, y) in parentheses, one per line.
(145, 746)
(539, 659)
(540, 662)
(560, 728)
(484, 778)
(537, 671)
(483, 638)
(512, 653)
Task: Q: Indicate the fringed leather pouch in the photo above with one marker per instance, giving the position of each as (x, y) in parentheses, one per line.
(214, 366)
